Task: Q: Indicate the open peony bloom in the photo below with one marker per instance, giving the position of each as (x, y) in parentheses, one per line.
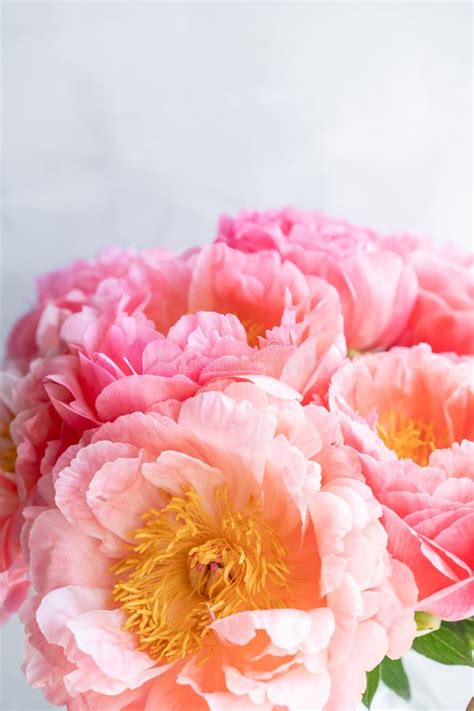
(377, 286)
(229, 559)
(292, 323)
(410, 413)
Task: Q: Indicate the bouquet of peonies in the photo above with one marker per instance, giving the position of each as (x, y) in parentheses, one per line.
(241, 477)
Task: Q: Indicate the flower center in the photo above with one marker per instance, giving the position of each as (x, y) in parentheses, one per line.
(7, 448)
(409, 438)
(254, 331)
(192, 565)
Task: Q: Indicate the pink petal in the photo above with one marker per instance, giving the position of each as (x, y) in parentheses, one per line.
(452, 603)
(140, 393)
(73, 481)
(61, 555)
(287, 629)
(233, 434)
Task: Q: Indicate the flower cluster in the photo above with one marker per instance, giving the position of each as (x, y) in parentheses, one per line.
(230, 478)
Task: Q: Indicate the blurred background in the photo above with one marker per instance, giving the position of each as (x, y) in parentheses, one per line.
(140, 122)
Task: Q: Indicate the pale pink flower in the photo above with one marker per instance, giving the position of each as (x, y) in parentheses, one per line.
(216, 563)
(410, 413)
(376, 286)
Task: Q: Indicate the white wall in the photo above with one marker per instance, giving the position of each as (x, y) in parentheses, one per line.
(139, 122)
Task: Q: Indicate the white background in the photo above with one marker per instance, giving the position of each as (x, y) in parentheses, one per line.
(139, 122)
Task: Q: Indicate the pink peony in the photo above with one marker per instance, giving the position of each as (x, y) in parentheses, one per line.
(155, 281)
(293, 323)
(410, 413)
(228, 559)
(376, 286)
(443, 315)
(32, 436)
(117, 364)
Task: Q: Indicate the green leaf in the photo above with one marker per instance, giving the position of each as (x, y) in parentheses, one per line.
(394, 676)
(373, 678)
(466, 627)
(451, 644)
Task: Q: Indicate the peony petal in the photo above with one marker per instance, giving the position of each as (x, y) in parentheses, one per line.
(232, 434)
(287, 629)
(140, 393)
(61, 556)
(452, 603)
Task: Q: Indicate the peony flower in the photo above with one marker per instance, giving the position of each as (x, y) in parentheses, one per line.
(409, 412)
(293, 323)
(155, 281)
(31, 437)
(443, 315)
(377, 287)
(217, 564)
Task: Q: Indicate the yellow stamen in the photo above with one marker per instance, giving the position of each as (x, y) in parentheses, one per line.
(190, 567)
(410, 438)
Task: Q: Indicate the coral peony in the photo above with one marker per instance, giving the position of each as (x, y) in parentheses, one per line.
(410, 413)
(377, 287)
(228, 559)
(293, 323)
